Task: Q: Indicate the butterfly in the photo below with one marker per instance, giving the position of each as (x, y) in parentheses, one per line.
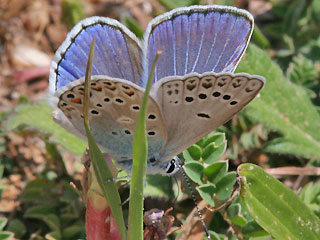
(194, 89)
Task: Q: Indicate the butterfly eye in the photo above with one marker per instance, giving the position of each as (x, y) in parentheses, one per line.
(173, 166)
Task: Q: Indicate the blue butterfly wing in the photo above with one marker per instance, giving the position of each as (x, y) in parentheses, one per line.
(197, 39)
(117, 53)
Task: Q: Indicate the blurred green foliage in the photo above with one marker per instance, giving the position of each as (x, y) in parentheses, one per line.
(5, 235)
(51, 206)
(310, 195)
(282, 106)
(72, 12)
(38, 117)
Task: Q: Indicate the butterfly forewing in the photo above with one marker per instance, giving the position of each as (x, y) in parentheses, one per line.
(113, 111)
(194, 105)
(198, 39)
(117, 53)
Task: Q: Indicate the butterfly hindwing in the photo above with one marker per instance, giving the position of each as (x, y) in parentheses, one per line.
(113, 111)
(196, 104)
(197, 39)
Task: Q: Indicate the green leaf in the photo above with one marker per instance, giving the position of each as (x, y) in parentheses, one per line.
(216, 171)
(293, 114)
(213, 152)
(217, 137)
(73, 231)
(39, 191)
(139, 164)
(187, 156)
(46, 213)
(239, 220)
(72, 12)
(252, 229)
(310, 195)
(195, 152)
(39, 117)
(206, 192)
(259, 39)
(3, 222)
(234, 210)
(274, 207)
(235, 216)
(213, 236)
(17, 227)
(225, 186)
(133, 25)
(201, 142)
(6, 235)
(303, 71)
(159, 186)
(56, 235)
(194, 170)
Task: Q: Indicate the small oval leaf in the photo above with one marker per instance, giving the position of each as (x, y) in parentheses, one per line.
(216, 171)
(225, 186)
(195, 152)
(218, 138)
(212, 153)
(194, 170)
(187, 156)
(239, 220)
(206, 192)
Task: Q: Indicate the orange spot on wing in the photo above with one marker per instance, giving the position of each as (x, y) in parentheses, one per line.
(76, 100)
(110, 87)
(97, 88)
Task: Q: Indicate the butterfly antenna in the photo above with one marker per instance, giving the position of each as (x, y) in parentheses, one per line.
(193, 198)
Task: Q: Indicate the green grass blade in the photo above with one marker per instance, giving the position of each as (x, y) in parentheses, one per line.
(276, 208)
(101, 169)
(139, 166)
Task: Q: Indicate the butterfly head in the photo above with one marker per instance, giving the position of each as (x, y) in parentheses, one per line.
(166, 168)
(173, 166)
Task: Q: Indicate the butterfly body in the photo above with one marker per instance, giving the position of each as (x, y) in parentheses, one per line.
(193, 91)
